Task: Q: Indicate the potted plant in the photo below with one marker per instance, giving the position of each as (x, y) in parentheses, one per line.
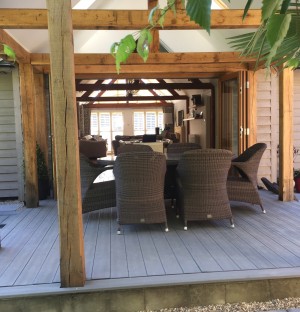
(42, 171)
(296, 171)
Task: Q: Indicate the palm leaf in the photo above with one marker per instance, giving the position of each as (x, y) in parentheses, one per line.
(199, 12)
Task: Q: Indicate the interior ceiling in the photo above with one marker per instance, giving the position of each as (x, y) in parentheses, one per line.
(100, 41)
(132, 90)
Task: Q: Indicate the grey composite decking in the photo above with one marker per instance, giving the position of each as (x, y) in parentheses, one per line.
(260, 244)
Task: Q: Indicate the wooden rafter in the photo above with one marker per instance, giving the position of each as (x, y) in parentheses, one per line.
(21, 54)
(154, 58)
(125, 19)
(130, 98)
(142, 86)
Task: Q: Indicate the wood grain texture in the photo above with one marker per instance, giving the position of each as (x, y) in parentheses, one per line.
(125, 19)
(286, 175)
(72, 267)
(29, 135)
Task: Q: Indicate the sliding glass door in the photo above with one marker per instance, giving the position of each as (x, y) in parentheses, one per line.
(233, 125)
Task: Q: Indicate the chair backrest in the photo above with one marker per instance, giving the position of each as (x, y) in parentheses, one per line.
(88, 173)
(115, 145)
(129, 148)
(134, 169)
(205, 170)
(139, 181)
(251, 158)
(177, 148)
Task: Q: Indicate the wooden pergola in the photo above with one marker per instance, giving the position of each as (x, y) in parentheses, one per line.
(63, 66)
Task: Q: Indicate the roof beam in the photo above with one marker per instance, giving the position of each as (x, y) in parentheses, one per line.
(128, 105)
(125, 19)
(141, 86)
(21, 54)
(130, 98)
(154, 58)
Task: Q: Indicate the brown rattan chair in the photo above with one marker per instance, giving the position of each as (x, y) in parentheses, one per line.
(243, 187)
(96, 195)
(170, 184)
(139, 188)
(201, 185)
(182, 147)
(128, 148)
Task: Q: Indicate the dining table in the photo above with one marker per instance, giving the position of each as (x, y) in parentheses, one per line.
(109, 160)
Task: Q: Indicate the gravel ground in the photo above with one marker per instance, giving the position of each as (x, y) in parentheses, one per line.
(273, 305)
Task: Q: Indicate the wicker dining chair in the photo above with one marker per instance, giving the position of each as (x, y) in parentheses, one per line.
(96, 195)
(243, 187)
(127, 148)
(170, 184)
(182, 147)
(139, 188)
(201, 185)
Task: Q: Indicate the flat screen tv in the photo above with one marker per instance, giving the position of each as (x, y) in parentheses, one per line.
(149, 138)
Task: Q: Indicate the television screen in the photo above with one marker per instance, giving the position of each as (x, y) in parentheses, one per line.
(149, 138)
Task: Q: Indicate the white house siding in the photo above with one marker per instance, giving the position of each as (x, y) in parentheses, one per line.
(10, 183)
(268, 123)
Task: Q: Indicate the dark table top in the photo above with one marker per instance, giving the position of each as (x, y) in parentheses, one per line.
(171, 159)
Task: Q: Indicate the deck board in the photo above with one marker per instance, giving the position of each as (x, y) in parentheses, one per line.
(259, 242)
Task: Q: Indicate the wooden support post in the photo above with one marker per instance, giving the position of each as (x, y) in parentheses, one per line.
(252, 108)
(286, 175)
(154, 46)
(29, 135)
(41, 114)
(72, 264)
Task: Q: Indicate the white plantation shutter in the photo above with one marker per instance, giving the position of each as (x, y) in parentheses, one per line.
(94, 123)
(150, 122)
(138, 123)
(160, 120)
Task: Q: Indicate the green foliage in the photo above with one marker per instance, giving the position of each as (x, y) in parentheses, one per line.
(276, 41)
(42, 170)
(121, 50)
(143, 44)
(9, 51)
(199, 12)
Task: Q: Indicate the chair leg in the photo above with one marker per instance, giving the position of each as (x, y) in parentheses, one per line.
(185, 225)
(231, 223)
(166, 227)
(262, 208)
(119, 230)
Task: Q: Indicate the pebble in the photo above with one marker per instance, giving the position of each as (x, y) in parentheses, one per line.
(276, 305)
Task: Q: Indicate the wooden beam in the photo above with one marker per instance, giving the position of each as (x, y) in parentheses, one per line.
(29, 135)
(286, 176)
(154, 58)
(128, 105)
(130, 98)
(142, 86)
(41, 114)
(178, 69)
(149, 75)
(154, 45)
(126, 19)
(21, 54)
(72, 262)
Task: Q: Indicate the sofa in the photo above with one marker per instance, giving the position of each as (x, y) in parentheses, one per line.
(92, 147)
